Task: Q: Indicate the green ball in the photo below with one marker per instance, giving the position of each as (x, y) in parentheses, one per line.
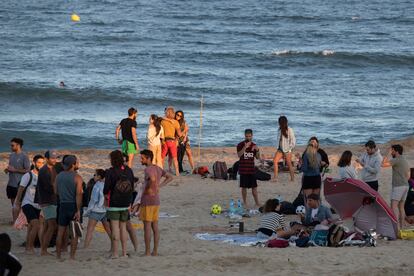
(216, 209)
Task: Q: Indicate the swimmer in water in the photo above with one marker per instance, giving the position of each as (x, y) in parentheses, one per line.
(62, 84)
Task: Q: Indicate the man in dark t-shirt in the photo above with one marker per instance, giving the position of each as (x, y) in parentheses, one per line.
(129, 142)
(247, 151)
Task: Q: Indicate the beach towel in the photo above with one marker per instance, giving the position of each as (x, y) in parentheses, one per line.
(234, 239)
(167, 215)
(99, 227)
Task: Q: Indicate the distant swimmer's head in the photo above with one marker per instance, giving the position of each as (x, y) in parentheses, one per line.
(132, 113)
(62, 84)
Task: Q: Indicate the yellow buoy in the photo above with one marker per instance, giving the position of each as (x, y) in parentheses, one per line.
(75, 17)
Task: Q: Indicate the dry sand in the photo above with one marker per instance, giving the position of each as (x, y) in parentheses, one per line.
(190, 197)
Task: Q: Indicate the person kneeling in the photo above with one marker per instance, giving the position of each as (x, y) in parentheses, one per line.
(272, 224)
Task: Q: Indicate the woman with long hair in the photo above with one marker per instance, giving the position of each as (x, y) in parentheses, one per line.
(183, 142)
(311, 164)
(286, 144)
(118, 189)
(346, 170)
(154, 135)
(325, 160)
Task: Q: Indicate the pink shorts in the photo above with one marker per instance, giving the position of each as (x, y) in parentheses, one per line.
(170, 148)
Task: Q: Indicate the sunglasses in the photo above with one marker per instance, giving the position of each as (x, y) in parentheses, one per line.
(13, 145)
(178, 115)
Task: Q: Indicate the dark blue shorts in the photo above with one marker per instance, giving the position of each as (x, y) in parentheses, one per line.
(66, 213)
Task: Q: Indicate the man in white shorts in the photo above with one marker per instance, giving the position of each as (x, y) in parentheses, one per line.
(400, 176)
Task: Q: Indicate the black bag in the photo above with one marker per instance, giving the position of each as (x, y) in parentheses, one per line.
(262, 176)
(299, 200)
(233, 171)
(122, 191)
(123, 185)
(287, 208)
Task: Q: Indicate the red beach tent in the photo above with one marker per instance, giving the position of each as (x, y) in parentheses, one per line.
(352, 198)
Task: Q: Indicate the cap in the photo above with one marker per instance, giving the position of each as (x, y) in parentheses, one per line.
(69, 161)
(51, 154)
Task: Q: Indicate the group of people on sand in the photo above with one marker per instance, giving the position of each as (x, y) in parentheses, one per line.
(166, 136)
(53, 197)
(314, 161)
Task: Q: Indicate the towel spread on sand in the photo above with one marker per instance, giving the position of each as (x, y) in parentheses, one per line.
(167, 215)
(235, 239)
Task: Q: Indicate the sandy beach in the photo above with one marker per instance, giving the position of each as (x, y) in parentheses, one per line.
(190, 197)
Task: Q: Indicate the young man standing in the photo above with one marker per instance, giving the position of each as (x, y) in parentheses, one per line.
(46, 198)
(69, 190)
(171, 132)
(129, 142)
(247, 151)
(25, 201)
(400, 176)
(371, 165)
(19, 164)
(150, 200)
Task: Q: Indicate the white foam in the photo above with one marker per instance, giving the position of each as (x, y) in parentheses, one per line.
(284, 52)
(328, 52)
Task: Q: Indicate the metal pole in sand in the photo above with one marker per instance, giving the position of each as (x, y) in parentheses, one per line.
(200, 130)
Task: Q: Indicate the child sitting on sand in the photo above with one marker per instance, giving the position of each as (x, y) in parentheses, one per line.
(272, 224)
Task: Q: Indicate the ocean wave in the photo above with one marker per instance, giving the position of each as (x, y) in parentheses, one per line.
(42, 140)
(368, 57)
(22, 93)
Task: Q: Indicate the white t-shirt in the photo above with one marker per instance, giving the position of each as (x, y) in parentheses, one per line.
(31, 190)
(314, 212)
(152, 137)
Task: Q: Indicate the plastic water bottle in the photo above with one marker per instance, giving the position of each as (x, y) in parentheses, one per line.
(280, 198)
(239, 207)
(231, 208)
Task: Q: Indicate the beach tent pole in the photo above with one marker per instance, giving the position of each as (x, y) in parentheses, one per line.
(200, 130)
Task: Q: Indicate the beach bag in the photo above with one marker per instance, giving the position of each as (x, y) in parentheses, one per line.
(302, 242)
(220, 170)
(122, 191)
(203, 171)
(262, 176)
(123, 185)
(20, 222)
(336, 233)
(278, 243)
(287, 208)
(319, 237)
(233, 171)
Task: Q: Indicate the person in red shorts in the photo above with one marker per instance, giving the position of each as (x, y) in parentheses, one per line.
(247, 152)
(150, 200)
(171, 132)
